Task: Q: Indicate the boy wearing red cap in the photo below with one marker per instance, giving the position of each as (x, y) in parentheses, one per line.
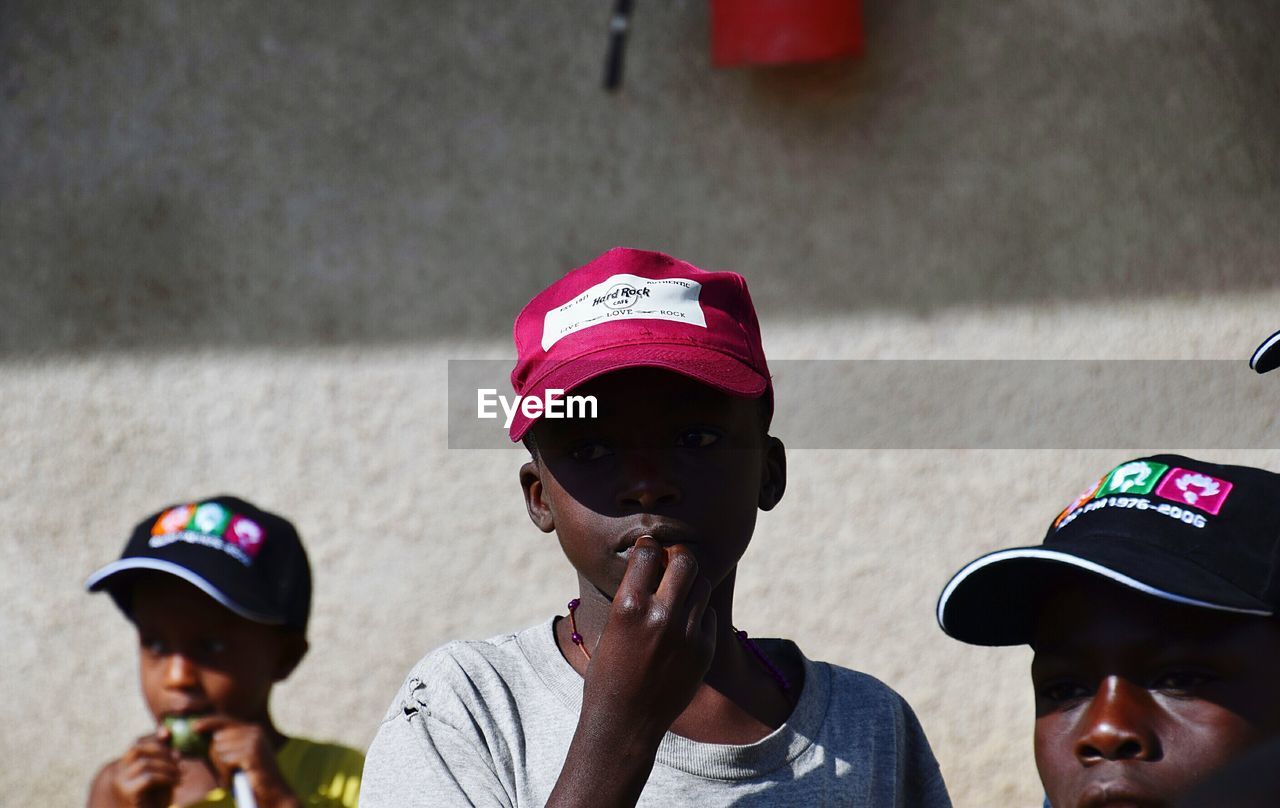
(645, 693)
(1151, 607)
(220, 592)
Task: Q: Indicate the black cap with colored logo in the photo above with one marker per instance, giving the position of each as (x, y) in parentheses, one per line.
(1183, 530)
(245, 558)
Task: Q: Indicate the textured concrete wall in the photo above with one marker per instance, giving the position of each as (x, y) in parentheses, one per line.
(239, 242)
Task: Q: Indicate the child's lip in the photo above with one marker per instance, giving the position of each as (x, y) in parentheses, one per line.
(185, 712)
(1115, 795)
(663, 534)
(626, 554)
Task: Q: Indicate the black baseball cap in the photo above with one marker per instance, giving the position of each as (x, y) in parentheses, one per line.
(245, 558)
(1183, 530)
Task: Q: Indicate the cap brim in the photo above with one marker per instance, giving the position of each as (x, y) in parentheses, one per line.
(1267, 357)
(116, 571)
(992, 600)
(720, 371)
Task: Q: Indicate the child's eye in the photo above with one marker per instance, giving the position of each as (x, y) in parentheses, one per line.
(1064, 691)
(1177, 681)
(212, 646)
(152, 646)
(588, 451)
(697, 438)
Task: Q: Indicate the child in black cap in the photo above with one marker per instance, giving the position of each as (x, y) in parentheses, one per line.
(1151, 607)
(645, 693)
(219, 592)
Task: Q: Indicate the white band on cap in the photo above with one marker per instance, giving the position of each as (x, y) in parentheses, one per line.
(1271, 342)
(1081, 563)
(160, 565)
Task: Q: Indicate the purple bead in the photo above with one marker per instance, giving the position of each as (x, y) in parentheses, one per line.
(573, 604)
(770, 668)
(576, 637)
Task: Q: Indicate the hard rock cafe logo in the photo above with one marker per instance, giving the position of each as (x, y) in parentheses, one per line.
(620, 296)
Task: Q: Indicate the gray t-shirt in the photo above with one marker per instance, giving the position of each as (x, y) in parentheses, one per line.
(489, 723)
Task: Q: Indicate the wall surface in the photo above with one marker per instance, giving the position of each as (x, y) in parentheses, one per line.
(239, 243)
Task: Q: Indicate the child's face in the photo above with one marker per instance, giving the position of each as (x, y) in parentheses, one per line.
(197, 657)
(1136, 697)
(667, 457)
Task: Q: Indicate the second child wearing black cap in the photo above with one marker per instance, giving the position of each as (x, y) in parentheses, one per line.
(644, 693)
(220, 593)
(1151, 608)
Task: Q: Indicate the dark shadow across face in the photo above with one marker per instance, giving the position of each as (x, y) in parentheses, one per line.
(1138, 697)
(667, 457)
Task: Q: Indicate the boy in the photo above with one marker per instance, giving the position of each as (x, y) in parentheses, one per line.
(219, 592)
(1151, 609)
(646, 694)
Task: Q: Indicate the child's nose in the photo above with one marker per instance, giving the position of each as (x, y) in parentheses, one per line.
(1118, 724)
(646, 486)
(179, 671)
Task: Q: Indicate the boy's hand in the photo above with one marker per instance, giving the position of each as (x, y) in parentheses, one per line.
(656, 647)
(238, 745)
(657, 644)
(144, 777)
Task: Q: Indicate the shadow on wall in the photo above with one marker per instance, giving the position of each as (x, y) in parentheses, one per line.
(241, 174)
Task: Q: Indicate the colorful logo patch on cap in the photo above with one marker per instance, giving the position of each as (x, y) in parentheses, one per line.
(1137, 477)
(210, 525)
(246, 533)
(1195, 489)
(173, 520)
(1084, 497)
(210, 518)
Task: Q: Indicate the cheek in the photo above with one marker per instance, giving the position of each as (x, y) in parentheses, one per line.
(594, 489)
(238, 692)
(577, 523)
(1203, 734)
(1054, 750)
(151, 677)
(733, 482)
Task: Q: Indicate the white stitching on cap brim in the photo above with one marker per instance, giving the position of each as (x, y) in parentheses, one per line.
(1064, 558)
(160, 565)
(1263, 348)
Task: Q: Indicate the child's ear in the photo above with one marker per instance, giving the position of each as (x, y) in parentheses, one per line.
(293, 647)
(773, 480)
(538, 507)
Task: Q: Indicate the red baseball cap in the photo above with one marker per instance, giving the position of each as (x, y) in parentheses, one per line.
(636, 308)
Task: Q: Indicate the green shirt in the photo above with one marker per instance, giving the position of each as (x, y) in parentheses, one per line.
(323, 775)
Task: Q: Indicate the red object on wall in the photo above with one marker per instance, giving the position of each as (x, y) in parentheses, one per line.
(770, 32)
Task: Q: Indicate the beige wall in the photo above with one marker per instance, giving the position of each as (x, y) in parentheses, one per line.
(240, 241)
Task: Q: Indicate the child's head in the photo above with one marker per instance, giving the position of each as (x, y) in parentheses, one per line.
(679, 446)
(1151, 607)
(220, 593)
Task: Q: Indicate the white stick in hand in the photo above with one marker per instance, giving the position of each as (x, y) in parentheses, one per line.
(242, 791)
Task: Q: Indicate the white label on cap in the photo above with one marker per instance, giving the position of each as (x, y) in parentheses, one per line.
(626, 297)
